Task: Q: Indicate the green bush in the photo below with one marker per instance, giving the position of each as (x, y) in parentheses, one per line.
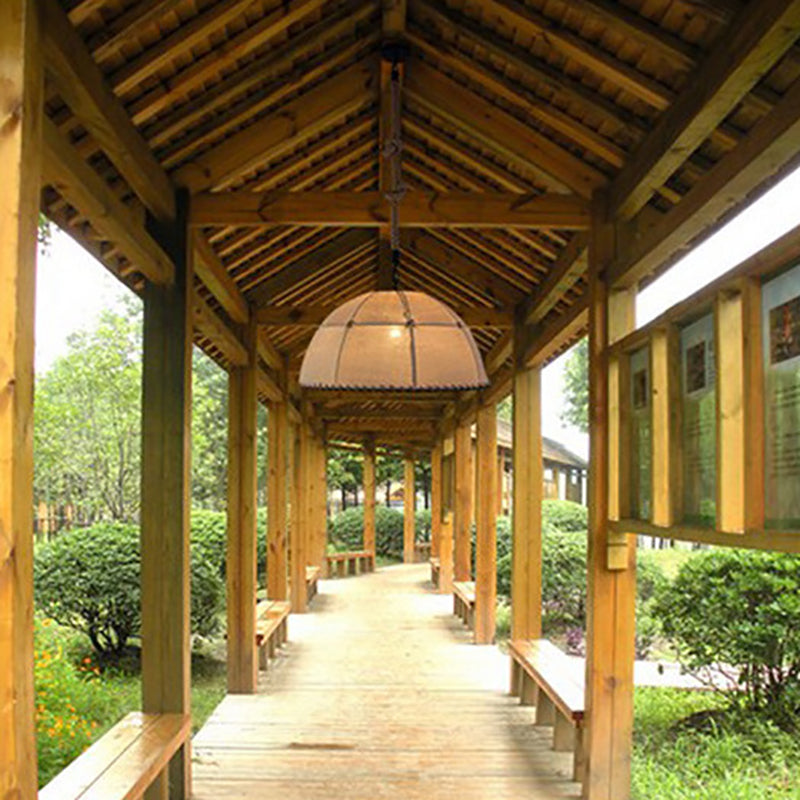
(564, 515)
(422, 525)
(89, 580)
(346, 531)
(740, 608)
(210, 535)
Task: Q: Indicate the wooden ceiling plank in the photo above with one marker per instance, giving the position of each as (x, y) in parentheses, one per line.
(517, 94)
(75, 180)
(215, 62)
(570, 265)
(368, 209)
(526, 19)
(770, 145)
(85, 90)
(320, 258)
(757, 39)
(501, 132)
(282, 131)
(212, 272)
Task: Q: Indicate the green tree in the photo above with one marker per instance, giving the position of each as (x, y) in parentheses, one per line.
(388, 469)
(576, 387)
(87, 430)
(209, 433)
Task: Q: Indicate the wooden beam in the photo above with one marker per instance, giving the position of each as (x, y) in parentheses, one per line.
(486, 525)
(21, 99)
(282, 131)
(270, 354)
(82, 187)
(462, 512)
(210, 269)
(550, 337)
(277, 504)
(242, 502)
(166, 492)
(756, 40)
(500, 352)
(488, 124)
(369, 497)
(568, 268)
(409, 509)
(209, 325)
(85, 90)
(370, 209)
(311, 316)
(526, 568)
(321, 258)
(359, 412)
(611, 593)
(267, 386)
(770, 145)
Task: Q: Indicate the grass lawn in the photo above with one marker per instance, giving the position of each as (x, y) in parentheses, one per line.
(723, 756)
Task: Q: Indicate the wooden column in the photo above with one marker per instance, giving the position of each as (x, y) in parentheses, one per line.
(242, 494)
(526, 571)
(369, 497)
(166, 490)
(436, 499)
(277, 488)
(462, 512)
(297, 532)
(409, 507)
(20, 136)
(611, 593)
(501, 468)
(321, 501)
(486, 526)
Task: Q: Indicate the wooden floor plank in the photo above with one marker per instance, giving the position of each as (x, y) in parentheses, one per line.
(379, 694)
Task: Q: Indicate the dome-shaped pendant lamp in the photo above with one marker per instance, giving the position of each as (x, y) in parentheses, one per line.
(393, 340)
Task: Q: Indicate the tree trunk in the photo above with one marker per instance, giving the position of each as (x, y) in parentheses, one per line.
(388, 494)
(344, 498)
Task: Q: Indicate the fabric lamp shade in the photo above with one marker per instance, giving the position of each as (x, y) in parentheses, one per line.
(393, 340)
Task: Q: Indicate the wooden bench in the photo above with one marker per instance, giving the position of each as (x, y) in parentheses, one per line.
(436, 568)
(542, 675)
(464, 602)
(271, 629)
(125, 761)
(312, 576)
(422, 552)
(355, 562)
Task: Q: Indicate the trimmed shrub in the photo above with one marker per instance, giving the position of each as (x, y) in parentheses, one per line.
(89, 580)
(564, 515)
(209, 539)
(422, 525)
(740, 608)
(346, 531)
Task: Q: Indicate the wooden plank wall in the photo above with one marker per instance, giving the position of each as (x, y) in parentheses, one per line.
(21, 90)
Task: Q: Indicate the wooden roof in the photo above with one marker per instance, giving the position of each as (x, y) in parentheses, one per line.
(679, 110)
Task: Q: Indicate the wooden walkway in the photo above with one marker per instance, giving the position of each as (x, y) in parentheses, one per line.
(379, 694)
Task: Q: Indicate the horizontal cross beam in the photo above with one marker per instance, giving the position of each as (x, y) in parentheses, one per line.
(371, 209)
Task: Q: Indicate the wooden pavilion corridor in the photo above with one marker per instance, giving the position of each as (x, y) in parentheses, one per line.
(379, 694)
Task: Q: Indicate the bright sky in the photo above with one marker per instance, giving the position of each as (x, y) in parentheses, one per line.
(72, 289)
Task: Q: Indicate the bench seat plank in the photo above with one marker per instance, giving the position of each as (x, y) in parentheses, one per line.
(552, 671)
(466, 591)
(124, 762)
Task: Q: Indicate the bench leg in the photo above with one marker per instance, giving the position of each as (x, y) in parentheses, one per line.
(545, 710)
(578, 762)
(530, 694)
(456, 609)
(273, 644)
(263, 659)
(563, 734)
(159, 788)
(515, 684)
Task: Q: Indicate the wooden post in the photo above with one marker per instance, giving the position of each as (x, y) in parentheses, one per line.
(321, 502)
(526, 571)
(486, 526)
(277, 538)
(501, 468)
(369, 497)
(20, 156)
(297, 533)
(242, 494)
(166, 489)
(409, 507)
(462, 512)
(436, 498)
(611, 593)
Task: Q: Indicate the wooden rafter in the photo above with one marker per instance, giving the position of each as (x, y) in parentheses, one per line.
(762, 33)
(312, 315)
(84, 88)
(217, 279)
(369, 209)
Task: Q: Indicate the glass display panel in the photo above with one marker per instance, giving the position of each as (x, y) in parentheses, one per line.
(699, 421)
(780, 325)
(641, 440)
